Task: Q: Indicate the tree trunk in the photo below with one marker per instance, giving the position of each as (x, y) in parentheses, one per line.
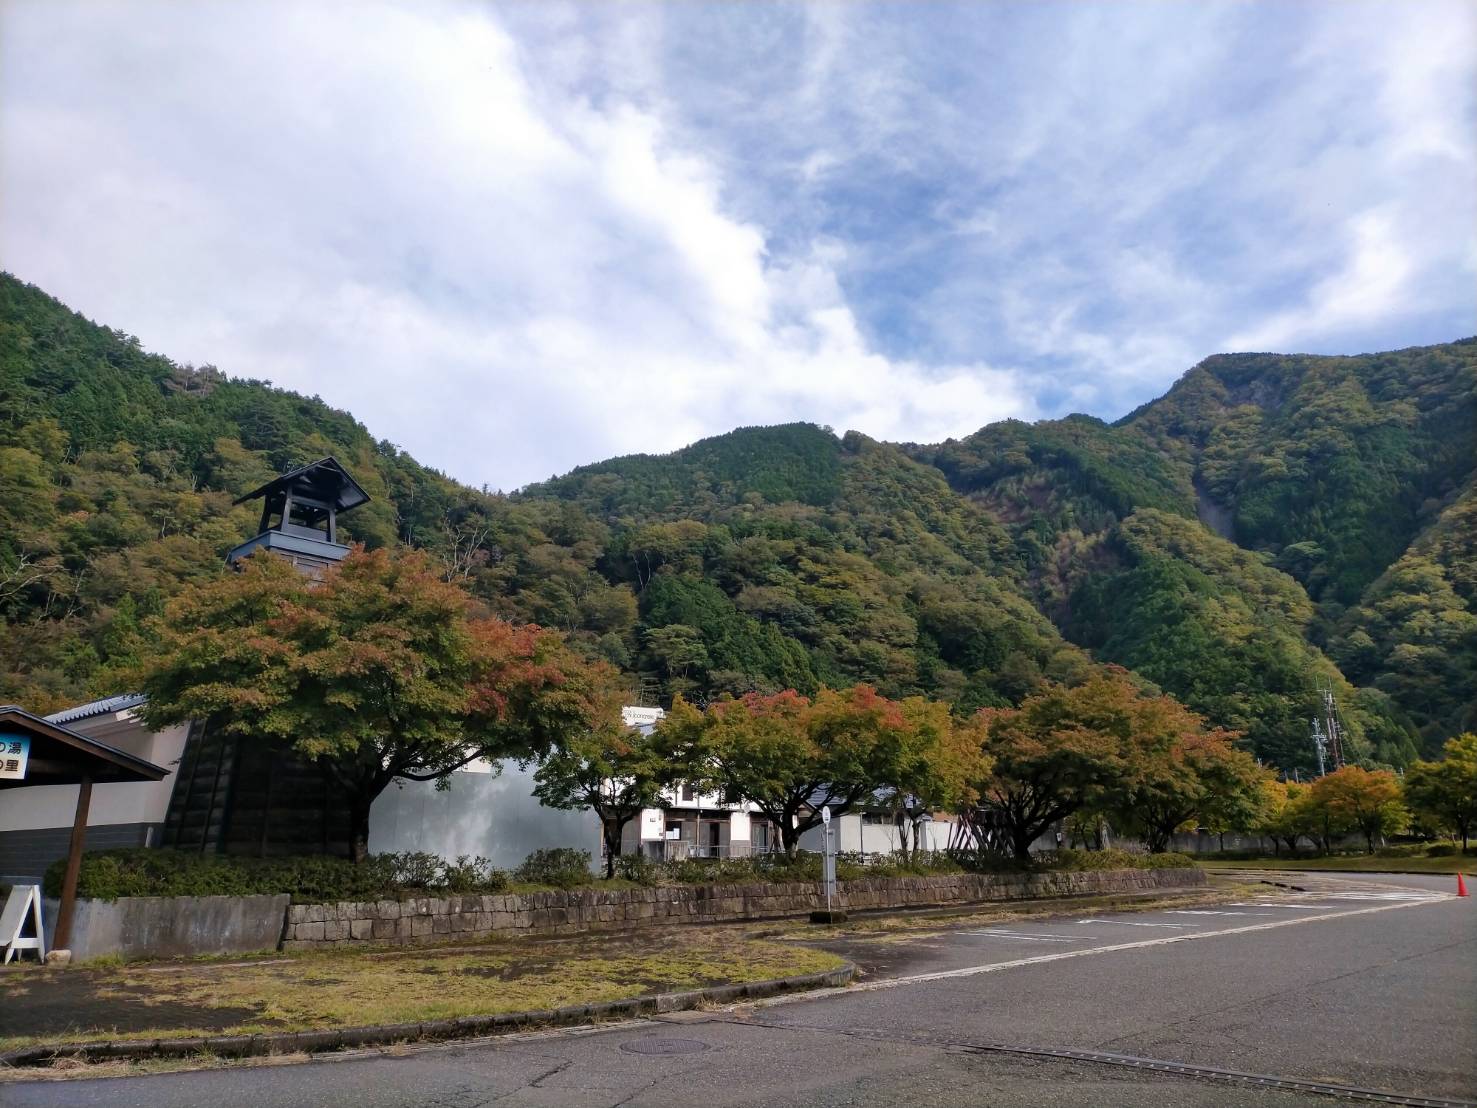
(789, 837)
(612, 830)
(358, 829)
(1020, 841)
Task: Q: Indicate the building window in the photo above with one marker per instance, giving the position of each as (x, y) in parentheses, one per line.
(688, 795)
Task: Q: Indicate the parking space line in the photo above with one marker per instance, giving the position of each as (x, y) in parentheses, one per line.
(1041, 959)
(1135, 923)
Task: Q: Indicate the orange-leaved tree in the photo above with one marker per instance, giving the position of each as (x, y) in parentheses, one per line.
(1177, 771)
(1062, 751)
(379, 670)
(1354, 798)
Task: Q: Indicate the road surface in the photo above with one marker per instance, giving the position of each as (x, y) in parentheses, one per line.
(1367, 981)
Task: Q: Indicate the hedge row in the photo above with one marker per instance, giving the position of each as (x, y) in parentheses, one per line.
(109, 874)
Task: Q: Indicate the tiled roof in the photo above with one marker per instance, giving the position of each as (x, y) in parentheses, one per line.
(98, 708)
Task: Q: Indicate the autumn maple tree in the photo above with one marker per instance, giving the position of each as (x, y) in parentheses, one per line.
(1176, 771)
(1356, 799)
(1061, 752)
(378, 671)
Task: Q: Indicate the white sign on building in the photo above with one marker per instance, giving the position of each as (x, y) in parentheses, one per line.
(15, 751)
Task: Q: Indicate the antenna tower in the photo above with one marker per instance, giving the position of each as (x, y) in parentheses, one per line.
(1331, 726)
(1320, 746)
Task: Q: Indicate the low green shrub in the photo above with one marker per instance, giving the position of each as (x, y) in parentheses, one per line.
(1405, 850)
(919, 864)
(311, 879)
(561, 867)
(639, 869)
(1443, 850)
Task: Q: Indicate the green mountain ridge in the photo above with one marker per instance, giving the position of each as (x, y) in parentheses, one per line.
(785, 556)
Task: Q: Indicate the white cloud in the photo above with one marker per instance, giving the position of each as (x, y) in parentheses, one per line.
(508, 283)
(520, 238)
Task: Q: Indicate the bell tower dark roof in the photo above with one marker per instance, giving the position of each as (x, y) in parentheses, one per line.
(300, 515)
(324, 480)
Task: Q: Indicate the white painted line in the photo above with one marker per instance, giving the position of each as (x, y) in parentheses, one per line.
(1000, 934)
(1133, 923)
(1380, 896)
(1040, 959)
(1207, 912)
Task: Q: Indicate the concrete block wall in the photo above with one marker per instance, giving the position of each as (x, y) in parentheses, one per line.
(172, 926)
(443, 919)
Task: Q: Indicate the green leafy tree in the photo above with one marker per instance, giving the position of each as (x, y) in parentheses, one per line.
(927, 765)
(1444, 794)
(612, 770)
(378, 672)
(787, 754)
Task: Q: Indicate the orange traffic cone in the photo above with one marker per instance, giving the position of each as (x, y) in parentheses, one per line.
(1461, 886)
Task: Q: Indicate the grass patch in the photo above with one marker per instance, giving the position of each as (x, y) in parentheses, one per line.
(346, 989)
(1355, 863)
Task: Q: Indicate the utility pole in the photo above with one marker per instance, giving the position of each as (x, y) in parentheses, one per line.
(1332, 727)
(1320, 746)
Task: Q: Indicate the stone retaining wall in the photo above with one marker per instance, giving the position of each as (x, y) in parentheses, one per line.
(442, 919)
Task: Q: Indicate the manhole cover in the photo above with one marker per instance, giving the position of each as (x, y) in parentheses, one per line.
(664, 1046)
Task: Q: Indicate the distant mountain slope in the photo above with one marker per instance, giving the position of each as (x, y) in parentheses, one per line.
(885, 576)
(1330, 464)
(1227, 633)
(787, 556)
(1413, 633)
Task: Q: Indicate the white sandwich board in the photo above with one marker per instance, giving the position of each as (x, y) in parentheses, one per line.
(24, 900)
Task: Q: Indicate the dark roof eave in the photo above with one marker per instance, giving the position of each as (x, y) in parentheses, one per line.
(359, 496)
(134, 768)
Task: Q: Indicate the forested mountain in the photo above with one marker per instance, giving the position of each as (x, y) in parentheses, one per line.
(1270, 525)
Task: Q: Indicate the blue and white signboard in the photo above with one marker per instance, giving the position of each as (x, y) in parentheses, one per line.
(15, 751)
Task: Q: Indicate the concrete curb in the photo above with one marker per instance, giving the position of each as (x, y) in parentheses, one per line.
(464, 1027)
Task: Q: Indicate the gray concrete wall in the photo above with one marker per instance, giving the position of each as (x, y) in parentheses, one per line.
(173, 926)
(491, 814)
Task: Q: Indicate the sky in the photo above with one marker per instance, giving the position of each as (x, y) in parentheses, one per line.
(516, 238)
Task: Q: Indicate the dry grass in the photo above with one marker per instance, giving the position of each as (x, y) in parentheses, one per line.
(344, 989)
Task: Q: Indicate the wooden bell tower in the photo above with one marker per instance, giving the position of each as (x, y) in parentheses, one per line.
(300, 513)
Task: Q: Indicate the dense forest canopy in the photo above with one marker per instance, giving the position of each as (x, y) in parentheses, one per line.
(1272, 525)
